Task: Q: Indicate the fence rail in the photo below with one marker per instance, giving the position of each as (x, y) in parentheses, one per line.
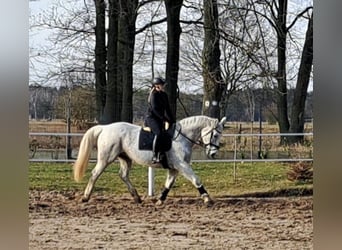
(246, 147)
(52, 145)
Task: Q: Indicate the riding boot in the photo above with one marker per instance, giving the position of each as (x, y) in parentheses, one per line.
(155, 158)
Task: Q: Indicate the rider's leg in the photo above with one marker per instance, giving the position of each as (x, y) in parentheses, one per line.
(156, 129)
(155, 157)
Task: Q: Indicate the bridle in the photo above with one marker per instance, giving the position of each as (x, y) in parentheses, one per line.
(211, 136)
(200, 142)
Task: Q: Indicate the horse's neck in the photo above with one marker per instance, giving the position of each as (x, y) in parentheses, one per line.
(192, 128)
(192, 132)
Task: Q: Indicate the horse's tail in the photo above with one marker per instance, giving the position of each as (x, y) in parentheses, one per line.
(87, 142)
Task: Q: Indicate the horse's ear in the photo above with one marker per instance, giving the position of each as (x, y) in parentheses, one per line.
(223, 120)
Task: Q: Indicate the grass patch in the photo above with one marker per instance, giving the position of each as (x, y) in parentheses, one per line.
(253, 179)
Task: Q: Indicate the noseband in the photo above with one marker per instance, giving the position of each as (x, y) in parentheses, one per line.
(211, 136)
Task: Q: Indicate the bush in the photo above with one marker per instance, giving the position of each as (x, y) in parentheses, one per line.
(301, 172)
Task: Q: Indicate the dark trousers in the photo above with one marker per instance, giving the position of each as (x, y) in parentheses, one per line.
(156, 127)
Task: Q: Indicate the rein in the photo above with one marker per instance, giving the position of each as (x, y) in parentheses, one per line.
(199, 142)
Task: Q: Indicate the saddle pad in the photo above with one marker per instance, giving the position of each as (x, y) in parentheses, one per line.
(146, 141)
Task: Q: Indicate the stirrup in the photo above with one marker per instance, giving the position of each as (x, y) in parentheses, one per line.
(156, 158)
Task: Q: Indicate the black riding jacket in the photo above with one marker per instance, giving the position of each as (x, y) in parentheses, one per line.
(159, 107)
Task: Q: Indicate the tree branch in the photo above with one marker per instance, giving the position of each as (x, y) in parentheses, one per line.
(150, 24)
(297, 17)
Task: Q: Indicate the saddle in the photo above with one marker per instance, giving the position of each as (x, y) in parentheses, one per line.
(163, 143)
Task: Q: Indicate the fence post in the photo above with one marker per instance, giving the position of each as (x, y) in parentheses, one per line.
(150, 181)
(235, 157)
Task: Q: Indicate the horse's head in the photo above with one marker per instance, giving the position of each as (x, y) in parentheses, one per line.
(211, 137)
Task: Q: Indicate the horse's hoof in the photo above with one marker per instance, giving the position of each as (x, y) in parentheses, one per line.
(209, 203)
(207, 200)
(137, 200)
(84, 199)
(159, 203)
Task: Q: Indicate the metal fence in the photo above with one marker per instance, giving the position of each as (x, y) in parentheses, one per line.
(63, 147)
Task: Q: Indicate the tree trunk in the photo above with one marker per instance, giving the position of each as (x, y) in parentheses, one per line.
(212, 79)
(297, 115)
(126, 40)
(112, 109)
(173, 8)
(283, 120)
(100, 59)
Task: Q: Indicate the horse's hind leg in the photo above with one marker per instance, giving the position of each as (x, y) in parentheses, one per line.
(125, 166)
(95, 174)
(170, 180)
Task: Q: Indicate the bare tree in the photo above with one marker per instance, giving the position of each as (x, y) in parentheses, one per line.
(278, 19)
(231, 50)
(76, 104)
(212, 80)
(173, 8)
(120, 51)
(280, 24)
(41, 102)
(126, 42)
(298, 107)
(70, 44)
(112, 108)
(271, 17)
(100, 63)
(240, 48)
(241, 42)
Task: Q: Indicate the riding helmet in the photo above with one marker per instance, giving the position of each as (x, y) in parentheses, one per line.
(158, 81)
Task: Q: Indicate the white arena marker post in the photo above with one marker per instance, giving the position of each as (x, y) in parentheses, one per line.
(150, 181)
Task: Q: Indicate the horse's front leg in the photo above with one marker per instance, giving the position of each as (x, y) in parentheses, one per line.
(170, 180)
(204, 195)
(125, 166)
(189, 174)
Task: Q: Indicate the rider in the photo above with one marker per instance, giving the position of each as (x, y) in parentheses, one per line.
(158, 112)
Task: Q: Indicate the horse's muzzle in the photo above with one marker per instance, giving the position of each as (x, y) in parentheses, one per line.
(211, 152)
(212, 155)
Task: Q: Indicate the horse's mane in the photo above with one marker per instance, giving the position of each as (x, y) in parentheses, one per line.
(199, 119)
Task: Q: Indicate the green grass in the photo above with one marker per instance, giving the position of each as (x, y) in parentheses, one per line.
(218, 179)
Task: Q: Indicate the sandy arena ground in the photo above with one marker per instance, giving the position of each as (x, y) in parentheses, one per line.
(59, 221)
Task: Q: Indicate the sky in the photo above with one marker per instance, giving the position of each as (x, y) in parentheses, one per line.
(38, 38)
(36, 7)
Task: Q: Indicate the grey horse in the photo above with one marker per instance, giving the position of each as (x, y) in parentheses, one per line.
(120, 140)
